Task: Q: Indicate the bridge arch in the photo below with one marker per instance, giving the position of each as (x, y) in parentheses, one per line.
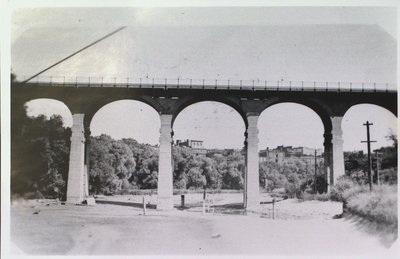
(332, 134)
(292, 118)
(97, 105)
(320, 109)
(233, 103)
(48, 107)
(384, 123)
(383, 105)
(146, 115)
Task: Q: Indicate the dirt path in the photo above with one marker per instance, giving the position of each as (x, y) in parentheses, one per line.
(117, 230)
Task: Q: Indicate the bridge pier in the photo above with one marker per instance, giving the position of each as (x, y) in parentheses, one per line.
(77, 184)
(334, 158)
(165, 177)
(337, 149)
(252, 186)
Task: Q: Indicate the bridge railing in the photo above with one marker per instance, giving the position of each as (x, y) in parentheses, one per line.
(218, 84)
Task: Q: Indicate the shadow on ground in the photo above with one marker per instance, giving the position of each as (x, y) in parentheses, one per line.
(129, 204)
(387, 234)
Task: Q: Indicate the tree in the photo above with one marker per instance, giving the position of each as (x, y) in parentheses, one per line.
(111, 165)
(39, 155)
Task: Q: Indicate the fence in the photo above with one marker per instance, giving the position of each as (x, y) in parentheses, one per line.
(217, 84)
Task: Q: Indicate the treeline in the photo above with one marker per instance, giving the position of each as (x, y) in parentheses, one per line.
(294, 176)
(39, 157)
(356, 164)
(121, 166)
(40, 160)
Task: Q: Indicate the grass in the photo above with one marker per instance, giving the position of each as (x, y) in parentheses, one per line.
(312, 197)
(380, 205)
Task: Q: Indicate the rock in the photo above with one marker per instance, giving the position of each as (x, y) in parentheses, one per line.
(216, 235)
(90, 201)
(36, 212)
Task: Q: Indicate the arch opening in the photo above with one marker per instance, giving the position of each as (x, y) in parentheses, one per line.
(291, 156)
(383, 132)
(123, 150)
(385, 123)
(48, 108)
(208, 149)
(40, 144)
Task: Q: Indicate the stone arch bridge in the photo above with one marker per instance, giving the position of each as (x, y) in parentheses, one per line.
(168, 99)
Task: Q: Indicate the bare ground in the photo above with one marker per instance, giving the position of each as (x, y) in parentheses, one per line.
(300, 228)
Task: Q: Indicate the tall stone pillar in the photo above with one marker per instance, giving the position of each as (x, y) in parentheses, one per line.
(337, 150)
(76, 172)
(87, 167)
(165, 179)
(252, 187)
(328, 158)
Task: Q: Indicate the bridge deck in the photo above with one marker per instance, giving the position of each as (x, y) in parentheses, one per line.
(254, 85)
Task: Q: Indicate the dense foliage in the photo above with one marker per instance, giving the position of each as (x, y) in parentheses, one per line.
(294, 176)
(380, 205)
(39, 157)
(356, 164)
(119, 166)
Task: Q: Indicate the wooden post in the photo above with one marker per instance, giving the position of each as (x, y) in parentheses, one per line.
(144, 205)
(182, 200)
(273, 208)
(367, 124)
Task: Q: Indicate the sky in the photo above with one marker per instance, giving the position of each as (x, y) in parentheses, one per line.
(310, 44)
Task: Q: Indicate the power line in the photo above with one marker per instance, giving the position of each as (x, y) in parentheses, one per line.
(76, 52)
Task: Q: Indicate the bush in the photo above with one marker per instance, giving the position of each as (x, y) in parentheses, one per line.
(344, 183)
(380, 205)
(311, 197)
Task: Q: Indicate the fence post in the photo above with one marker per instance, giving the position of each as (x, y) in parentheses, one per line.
(144, 205)
(182, 200)
(273, 208)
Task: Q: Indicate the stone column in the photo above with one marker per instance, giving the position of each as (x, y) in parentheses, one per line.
(252, 187)
(165, 179)
(328, 158)
(337, 150)
(76, 172)
(87, 167)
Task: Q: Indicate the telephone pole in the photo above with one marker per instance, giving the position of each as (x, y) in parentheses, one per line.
(367, 124)
(315, 171)
(377, 167)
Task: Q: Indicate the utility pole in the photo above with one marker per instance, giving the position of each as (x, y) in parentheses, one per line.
(367, 124)
(377, 167)
(307, 169)
(315, 171)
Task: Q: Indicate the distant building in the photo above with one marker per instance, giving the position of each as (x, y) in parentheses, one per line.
(286, 153)
(196, 146)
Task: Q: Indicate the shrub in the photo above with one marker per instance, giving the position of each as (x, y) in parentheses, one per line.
(319, 197)
(344, 183)
(379, 205)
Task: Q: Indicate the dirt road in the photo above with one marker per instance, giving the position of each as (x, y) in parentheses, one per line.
(109, 229)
